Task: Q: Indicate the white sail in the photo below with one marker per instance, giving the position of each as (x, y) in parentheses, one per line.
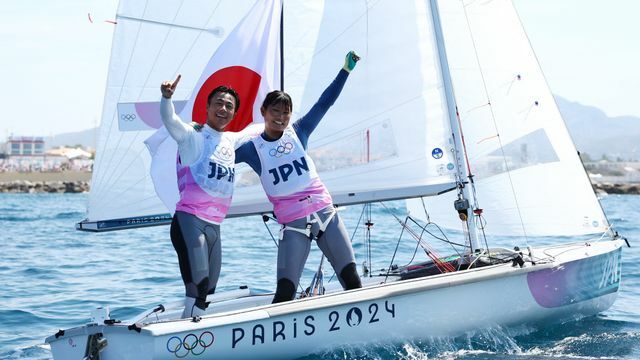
(385, 136)
(528, 176)
(383, 139)
(153, 40)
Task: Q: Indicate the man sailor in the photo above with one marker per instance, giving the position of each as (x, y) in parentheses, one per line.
(205, 169)
(301, 202)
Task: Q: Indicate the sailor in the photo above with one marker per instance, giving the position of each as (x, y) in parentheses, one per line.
(205, 169)
(301, 202)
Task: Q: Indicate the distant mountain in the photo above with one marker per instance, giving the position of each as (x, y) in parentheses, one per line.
(592, 131)
(86, 138)
(596, 134)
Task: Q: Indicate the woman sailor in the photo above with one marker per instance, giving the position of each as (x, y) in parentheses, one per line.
(301, 202)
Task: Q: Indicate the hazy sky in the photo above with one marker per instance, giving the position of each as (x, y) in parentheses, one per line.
(54, 61)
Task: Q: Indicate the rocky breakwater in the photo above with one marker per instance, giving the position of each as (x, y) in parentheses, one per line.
(613, 188)
(26, 186)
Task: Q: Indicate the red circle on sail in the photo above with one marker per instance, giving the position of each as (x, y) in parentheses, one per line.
(244, 81)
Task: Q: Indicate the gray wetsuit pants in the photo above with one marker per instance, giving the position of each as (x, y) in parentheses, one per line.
(294, 246)
(197, 244)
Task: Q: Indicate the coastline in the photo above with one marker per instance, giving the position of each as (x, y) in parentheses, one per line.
(45, 182)
(80, 181)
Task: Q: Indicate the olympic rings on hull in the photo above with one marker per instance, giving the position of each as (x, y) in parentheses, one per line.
(190, 344)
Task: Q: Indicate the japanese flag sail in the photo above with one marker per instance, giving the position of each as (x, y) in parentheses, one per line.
(249, 62)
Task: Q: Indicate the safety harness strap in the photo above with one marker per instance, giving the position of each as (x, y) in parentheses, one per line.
(313, 218)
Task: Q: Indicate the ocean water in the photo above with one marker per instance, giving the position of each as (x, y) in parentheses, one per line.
(51, 276)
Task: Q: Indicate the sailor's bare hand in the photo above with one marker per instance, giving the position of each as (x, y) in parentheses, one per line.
(167, 88)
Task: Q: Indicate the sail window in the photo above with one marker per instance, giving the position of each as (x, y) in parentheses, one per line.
(532, 149)
(360, 147)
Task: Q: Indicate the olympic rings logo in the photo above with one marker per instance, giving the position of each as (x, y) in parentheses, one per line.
(223, 152)
(190, 344)
(128, 117)
(281, 150)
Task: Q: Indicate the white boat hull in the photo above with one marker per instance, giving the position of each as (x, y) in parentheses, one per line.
(583, 280)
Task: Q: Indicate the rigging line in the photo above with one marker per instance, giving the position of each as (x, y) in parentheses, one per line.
(215, 31)
(606, 231)
(270, 233)
(415, 251)
(282, 46)
(445, 240)
(126, 75)
(335, 38)
(444, 237)
(479, 220)
(424, 207)
(368, 234)
(395, 252)
(353, 235)
(493, 118)
(443, 266)
(593, 191)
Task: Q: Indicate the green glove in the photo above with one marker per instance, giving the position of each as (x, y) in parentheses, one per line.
(350, 61)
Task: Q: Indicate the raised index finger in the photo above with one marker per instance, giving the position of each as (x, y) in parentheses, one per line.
(176, 81)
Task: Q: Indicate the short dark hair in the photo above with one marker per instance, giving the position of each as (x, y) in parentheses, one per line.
(225, 90)
(277, 97)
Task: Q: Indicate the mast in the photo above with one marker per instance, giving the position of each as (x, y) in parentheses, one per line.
(282, 47)
(466, 199)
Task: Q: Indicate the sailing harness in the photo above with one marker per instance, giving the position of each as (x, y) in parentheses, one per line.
(312, 218)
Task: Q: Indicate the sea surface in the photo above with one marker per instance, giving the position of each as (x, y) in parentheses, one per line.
(51, 276)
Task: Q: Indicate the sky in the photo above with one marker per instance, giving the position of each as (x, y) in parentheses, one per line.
(53, 60)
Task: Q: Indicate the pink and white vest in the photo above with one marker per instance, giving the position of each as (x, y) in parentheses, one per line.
(206, 187)
(289, 177)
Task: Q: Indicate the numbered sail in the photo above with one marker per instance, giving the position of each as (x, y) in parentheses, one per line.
(528, 176)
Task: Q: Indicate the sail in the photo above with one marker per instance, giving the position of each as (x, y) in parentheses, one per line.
(152, 41)
(528, 175)
(385, 138)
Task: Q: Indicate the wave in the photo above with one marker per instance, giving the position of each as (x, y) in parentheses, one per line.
(15, 317)
(31, 352)
(498, 343)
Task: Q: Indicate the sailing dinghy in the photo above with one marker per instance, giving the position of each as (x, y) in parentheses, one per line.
(448, 108)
